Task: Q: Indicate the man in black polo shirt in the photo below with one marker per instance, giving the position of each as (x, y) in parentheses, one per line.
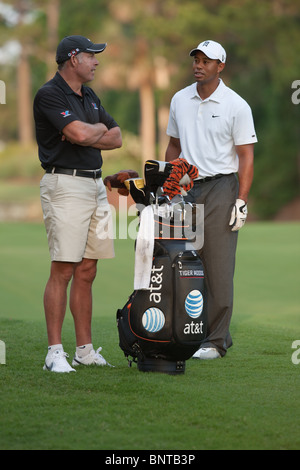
(72, 128)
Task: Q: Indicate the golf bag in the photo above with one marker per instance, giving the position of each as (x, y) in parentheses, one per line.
(163, 325)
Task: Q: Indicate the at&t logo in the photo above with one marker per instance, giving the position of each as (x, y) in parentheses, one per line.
(194, 307)
(156, 284)
(153, 320)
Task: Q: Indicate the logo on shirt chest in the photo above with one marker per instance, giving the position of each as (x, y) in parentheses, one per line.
(94, 106)
(66, 113)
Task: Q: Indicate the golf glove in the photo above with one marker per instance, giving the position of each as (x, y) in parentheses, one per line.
(238, 215)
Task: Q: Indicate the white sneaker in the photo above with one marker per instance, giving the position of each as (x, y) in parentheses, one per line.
(56, 362)
(207, 353)
(93, 358)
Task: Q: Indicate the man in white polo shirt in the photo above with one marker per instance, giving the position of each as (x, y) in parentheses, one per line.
(212, 127)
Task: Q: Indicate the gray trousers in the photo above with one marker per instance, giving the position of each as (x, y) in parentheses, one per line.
(218, 255)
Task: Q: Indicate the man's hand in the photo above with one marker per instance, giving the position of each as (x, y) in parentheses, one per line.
(83, 133)
(112, 139)
(92, 135)
(238, 215)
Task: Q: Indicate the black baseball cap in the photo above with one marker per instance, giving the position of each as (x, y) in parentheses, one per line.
(73, 45)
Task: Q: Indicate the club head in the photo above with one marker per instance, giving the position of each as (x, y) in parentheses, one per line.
(137, 191)
(156, 173)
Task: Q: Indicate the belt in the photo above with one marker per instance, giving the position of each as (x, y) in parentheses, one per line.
(210, 178)
(69, 171)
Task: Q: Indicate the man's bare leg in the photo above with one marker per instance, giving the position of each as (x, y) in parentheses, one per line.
(81, 302)
(55, 299)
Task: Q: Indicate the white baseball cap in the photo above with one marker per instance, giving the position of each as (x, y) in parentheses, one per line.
(212, 49)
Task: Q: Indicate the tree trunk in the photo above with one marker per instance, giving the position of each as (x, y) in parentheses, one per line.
(53, 10)
(163, 139)
(148, 139)
(24, 100)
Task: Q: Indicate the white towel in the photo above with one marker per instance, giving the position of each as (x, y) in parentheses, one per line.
(144, 250)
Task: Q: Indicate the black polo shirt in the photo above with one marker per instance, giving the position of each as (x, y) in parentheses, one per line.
(55, 106)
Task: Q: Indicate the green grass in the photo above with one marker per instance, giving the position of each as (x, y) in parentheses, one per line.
(248, 400)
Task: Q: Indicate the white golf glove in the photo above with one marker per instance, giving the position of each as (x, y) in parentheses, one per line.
(238, 215)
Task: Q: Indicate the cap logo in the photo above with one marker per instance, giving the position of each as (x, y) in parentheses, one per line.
(205, 43)
(74, 52)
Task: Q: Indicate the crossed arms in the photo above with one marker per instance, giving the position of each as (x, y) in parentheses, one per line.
(93, 135)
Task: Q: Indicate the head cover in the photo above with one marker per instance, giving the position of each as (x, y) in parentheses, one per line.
(212, 49)
(73, 45)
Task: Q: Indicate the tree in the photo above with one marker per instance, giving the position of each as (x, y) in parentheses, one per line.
(264, 55)
(15, 22)
(53, 16)
(148, 54)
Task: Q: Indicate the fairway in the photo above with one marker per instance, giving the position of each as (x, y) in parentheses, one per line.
(248, 400)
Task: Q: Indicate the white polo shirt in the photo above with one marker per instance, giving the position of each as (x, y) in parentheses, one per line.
(209, 129)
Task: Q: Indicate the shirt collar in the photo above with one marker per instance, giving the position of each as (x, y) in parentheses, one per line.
(215, 96)
(58, 79)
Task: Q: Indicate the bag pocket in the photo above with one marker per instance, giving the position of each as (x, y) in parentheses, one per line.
(189, 299)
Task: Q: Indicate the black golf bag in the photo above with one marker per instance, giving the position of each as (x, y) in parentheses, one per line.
(162, 326)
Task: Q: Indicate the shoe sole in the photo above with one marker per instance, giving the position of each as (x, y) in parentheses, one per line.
(49, 369)
(76, 363)
(206, 358)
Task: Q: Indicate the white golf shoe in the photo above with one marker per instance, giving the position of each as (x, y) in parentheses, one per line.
(56, 362)
(93, 358)
(207, 353)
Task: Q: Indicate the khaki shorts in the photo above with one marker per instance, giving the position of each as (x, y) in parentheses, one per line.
(77, 218)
